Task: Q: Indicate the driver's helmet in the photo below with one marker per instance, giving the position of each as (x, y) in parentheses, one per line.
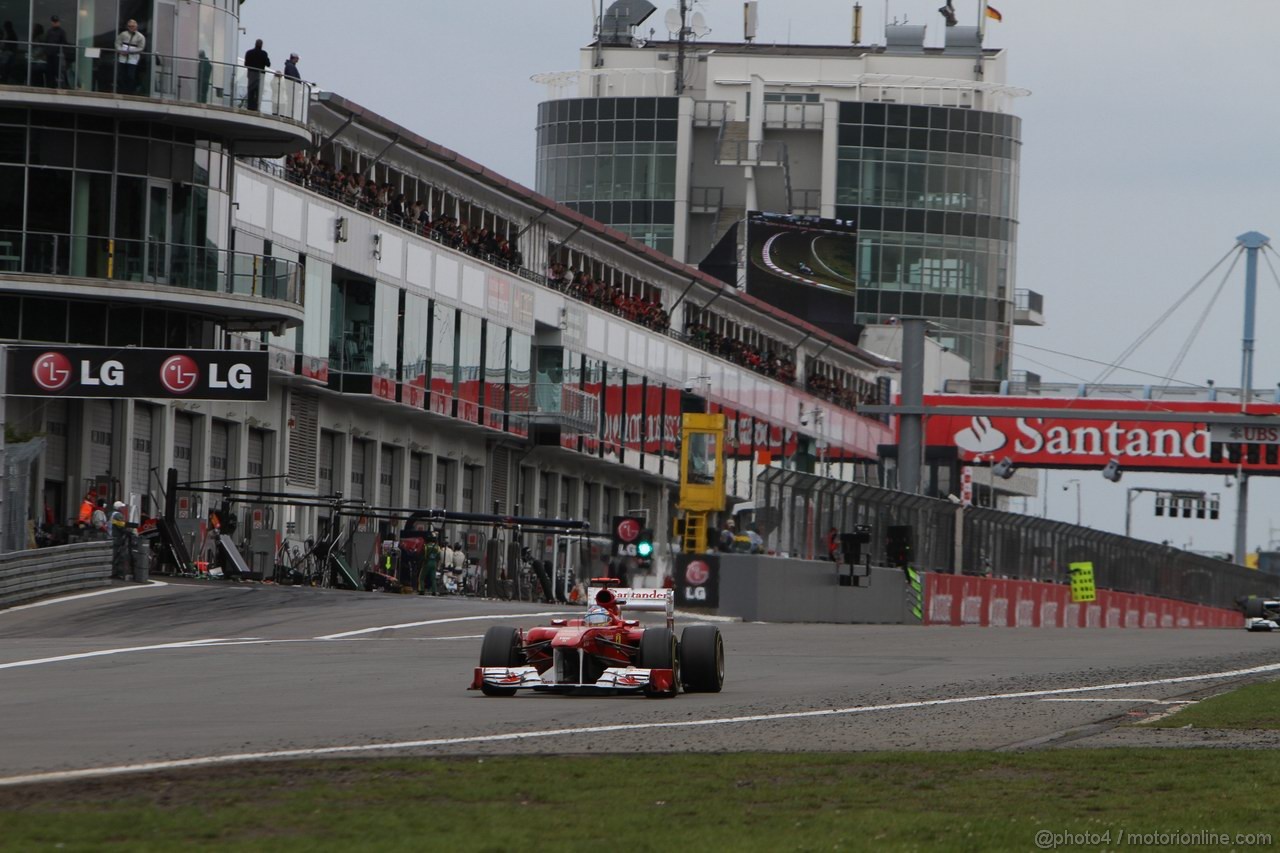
(596, 615)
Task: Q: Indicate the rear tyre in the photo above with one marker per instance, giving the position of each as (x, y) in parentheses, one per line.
(702, 659)
(658, 651)
(1253, 607)
(501, 647)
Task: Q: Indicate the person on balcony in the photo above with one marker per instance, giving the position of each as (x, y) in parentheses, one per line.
(57, 54)
(257, 61)
(129, 47)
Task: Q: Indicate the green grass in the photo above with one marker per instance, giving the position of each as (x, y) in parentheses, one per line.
(690, 802)
(1254, 706)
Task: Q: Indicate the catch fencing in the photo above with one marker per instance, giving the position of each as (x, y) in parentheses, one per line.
(795, 511)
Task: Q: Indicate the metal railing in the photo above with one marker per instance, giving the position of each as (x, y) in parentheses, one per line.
(711, 113)
(554, 402)
(806, 201)
(793, 116)
(151, 262)
(706, 199)
(185, 79)
(1028, 300)
(753, 151)
(796, 510)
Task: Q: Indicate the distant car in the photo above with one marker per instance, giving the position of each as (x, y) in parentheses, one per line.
(1261, 614)
(603, 651)
(805, 268)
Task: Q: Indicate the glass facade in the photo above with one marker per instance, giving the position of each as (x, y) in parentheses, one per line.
(93, 196)
(934, 192)
(613, 159)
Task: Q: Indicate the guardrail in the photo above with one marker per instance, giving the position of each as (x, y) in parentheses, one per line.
(145, 261)
(793, 116)
(185, 79)
(27, 575)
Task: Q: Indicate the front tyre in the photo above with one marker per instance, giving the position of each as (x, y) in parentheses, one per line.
(501, 647)
(658, 651)
(702, 659)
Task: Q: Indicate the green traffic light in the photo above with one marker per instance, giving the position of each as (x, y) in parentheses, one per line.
(644, 549)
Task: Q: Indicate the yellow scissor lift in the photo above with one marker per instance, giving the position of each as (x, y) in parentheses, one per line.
(701, 477)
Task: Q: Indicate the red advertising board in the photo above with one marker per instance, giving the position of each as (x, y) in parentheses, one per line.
(1076, 442)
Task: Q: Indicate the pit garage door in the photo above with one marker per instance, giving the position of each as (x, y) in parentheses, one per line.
(359, 467)
(184, 430)
(97, 416)
(55, 428)
(257, 461)
(386, 475)
(219, 448)
(328, 458)
(140, 461)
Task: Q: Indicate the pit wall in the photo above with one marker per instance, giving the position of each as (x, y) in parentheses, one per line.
(990, 602)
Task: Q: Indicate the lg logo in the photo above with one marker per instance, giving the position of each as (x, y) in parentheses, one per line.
(179, 374)
(628, 529)
(52, 371)
(697, 573)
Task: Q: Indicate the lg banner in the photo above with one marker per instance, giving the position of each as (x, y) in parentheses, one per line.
(698, 580)
(117, 372)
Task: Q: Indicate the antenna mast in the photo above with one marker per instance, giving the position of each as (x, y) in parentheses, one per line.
(681, 38)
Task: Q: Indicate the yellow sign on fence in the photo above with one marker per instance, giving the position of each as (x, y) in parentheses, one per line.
(1082, 588)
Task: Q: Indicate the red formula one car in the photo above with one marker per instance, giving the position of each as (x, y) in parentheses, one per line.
(604, 651)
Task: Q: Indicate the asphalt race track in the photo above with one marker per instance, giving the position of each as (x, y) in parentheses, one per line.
(188, 671)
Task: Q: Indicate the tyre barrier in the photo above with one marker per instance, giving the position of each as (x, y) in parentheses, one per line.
(995, 602)
(43, 572)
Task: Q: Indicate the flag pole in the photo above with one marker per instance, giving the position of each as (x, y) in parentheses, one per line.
(982, 21)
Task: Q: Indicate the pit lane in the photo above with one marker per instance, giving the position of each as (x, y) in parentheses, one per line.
(199, 672)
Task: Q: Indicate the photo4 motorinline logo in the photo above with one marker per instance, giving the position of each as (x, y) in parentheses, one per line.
(1048, 840)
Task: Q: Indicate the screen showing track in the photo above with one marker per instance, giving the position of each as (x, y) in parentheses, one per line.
(807, 265)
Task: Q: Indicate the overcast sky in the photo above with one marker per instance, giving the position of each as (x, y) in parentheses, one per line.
(1150, 142)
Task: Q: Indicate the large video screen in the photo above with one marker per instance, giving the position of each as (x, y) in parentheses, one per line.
(806, 265)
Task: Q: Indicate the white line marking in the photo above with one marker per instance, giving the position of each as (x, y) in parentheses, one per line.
(210, 760)
(1134, 701)
(81, 595)
(185, 644)
(359, 631)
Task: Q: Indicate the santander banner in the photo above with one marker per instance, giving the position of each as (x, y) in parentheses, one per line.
(1075, 442)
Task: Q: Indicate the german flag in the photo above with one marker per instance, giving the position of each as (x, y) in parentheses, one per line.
(994, 13)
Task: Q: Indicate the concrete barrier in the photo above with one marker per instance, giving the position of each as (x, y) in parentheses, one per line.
(42, 572)
(1000, 602)
(777, 589)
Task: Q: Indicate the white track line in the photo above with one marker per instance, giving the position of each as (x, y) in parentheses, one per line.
(78, 596)
(185, 644)
(346, 634)
(1135, 701)
(210, 760)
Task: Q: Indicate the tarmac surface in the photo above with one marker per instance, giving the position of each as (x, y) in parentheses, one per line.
(195, 674)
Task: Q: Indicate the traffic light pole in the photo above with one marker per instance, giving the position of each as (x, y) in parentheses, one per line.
(911, 423)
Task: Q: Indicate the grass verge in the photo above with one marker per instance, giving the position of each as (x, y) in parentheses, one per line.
(741, 802)
(1254, 706)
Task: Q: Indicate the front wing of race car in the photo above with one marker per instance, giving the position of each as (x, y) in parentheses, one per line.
(624, 678)
(1261, 625)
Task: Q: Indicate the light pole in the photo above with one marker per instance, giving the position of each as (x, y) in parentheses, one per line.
(1068, 485)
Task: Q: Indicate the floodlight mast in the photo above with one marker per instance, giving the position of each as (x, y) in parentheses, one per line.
(1251, 242)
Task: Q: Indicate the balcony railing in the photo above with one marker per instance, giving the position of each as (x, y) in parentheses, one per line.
(753, 152)
(793, 116)
(151, 262)
(183, 79)
(711, 113)
(806, 202)
(551, 402)
(705, 199)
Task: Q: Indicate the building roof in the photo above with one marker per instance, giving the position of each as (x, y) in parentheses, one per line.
(692, 274)
(834, 51)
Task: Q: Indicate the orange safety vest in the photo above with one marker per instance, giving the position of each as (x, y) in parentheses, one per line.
(86, 511)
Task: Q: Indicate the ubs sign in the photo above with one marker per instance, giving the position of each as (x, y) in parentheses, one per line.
(136, 372)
